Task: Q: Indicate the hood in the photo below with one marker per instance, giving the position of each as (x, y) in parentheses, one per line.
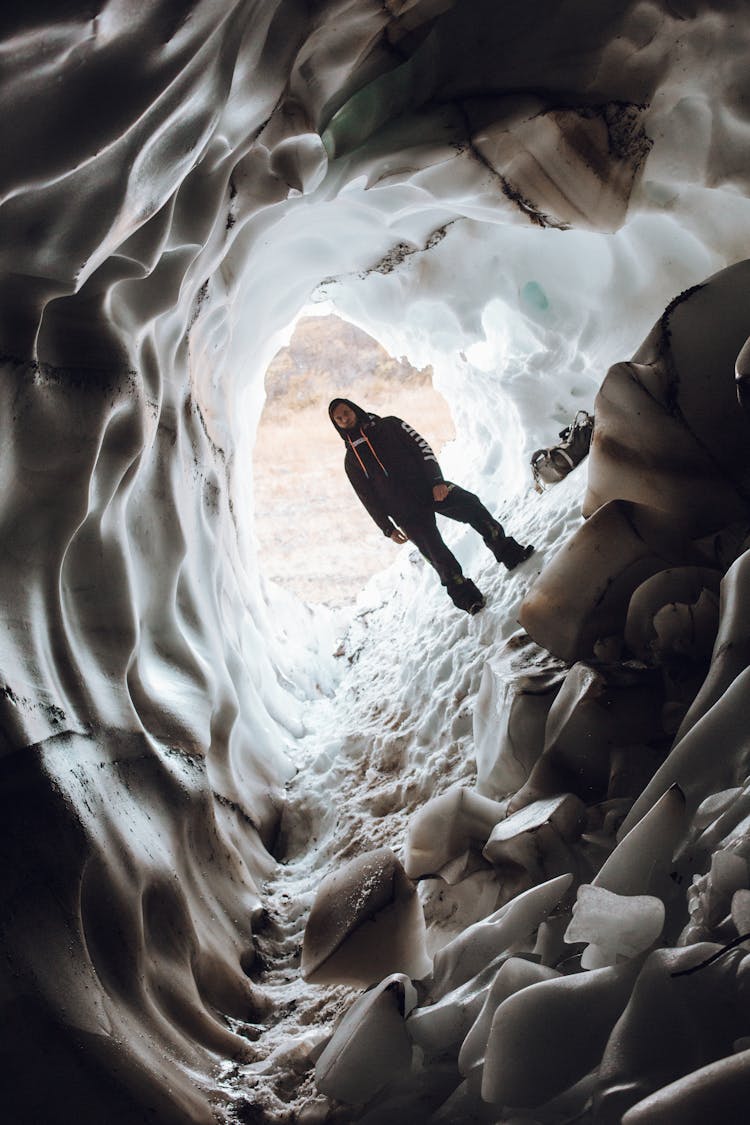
(363, 416)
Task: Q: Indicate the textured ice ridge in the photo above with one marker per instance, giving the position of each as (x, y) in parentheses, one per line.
(512, 196)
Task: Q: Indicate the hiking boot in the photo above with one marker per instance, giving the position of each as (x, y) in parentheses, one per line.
(465, 595)
(510, 553)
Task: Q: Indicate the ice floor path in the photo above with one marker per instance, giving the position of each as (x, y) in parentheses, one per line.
(397, 731)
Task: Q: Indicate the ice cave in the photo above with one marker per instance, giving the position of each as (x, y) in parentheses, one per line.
(264, 861)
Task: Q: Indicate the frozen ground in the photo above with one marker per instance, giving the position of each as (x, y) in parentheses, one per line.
(395, 730)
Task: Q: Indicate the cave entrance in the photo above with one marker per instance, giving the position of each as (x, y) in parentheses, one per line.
(314, 538)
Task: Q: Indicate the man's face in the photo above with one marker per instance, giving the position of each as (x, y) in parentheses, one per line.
(344, 417)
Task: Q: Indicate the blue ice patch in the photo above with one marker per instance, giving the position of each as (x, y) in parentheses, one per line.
(533, 294)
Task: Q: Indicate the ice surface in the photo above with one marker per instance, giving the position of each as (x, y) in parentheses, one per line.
(566, 1021)
(446, 827)
(642, 862)
(370, 1045)
(483, 942)
(614, 926)
(513, 975)
(620, 545)
(510, 715)
(366, 922)
(185, 759)
(656, 1043)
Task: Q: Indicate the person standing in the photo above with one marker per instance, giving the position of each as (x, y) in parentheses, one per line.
(396, 476)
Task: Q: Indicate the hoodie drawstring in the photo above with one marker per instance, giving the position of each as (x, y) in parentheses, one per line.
(361, 462)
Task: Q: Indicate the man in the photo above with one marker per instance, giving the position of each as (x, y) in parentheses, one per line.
(397, 477)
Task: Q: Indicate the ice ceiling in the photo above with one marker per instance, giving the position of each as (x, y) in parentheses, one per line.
(514, 194)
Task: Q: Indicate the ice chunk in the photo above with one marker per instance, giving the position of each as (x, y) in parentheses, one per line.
(615, 926)
(513, 975)
(446, 827)
(597, 709)
(370, 1045)
(438, 1026)
(565, 1022)
(694, 763)
(509, 717)
(711, 897)
(674, 1022)
(477, 946)
(719, 1091)
(714, 806)
(465, 1104)
(641, 861)
(742, 375)
(728, 872)
(686, 631)
(618, 547)
(649, 635)
(732, 648)
(687, 453)
(365, 923)
(465, 865)
(535, 836)
(741, 911)
(730, 823)
(449, 909)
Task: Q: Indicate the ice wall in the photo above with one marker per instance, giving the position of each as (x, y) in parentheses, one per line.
(511, 196)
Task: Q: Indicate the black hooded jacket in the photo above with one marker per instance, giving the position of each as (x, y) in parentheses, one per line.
(390, 467)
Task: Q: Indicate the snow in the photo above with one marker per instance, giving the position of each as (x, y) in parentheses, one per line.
(514, 196)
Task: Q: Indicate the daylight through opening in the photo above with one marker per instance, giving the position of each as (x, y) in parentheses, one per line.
(314, 538)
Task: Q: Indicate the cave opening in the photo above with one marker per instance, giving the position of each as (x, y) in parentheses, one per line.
(512, 197)
(314, 539)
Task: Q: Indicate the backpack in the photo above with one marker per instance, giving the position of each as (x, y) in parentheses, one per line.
(551, 465)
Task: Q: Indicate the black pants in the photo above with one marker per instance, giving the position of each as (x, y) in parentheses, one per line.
(458, 505)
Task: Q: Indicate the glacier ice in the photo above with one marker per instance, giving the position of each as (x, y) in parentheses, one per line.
(550, 205)
(370, 1044)
(365, 923)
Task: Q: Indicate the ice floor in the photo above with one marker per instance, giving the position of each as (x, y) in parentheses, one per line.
(394, 730)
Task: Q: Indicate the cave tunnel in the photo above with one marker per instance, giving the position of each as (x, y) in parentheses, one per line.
(261, 867)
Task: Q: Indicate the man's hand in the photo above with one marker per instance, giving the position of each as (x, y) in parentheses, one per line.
(398, 536)
(440, 491)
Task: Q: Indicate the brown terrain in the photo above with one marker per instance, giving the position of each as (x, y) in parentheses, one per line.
(314, 537)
